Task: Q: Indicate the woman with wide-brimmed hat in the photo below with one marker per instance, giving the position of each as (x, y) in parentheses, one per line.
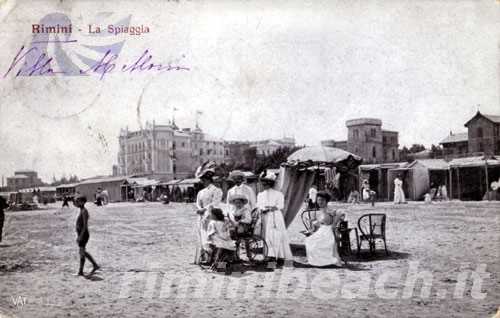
(210, 196)
(321, 245)
(271, 203)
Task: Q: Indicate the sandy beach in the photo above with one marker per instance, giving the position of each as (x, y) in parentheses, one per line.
(146, 251)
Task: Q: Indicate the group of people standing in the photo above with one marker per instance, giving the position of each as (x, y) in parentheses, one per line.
(214, 223)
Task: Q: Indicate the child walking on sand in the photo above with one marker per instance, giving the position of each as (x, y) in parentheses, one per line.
(82, 231)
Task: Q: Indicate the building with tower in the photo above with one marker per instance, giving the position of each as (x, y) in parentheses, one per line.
(367, 139)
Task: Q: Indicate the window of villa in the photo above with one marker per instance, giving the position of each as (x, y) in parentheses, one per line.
(374, 152)
(373, 132)
(479, 132)
(355, 134)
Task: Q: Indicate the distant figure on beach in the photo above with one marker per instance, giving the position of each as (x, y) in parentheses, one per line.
(399, 195)
(353, 197)
(443, 192)
(494, 194)
(164, 198)
(368, 195)
(312, 197)
(97, 197)
(65, 202)
(428, 198)
(83, 236)
(434, 191)
(3, 205)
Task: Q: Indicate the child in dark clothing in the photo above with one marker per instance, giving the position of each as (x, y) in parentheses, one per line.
(65, 201)
(83, 236)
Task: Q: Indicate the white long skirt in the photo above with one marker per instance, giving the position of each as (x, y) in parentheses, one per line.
(275, 235)
(321, 248)
(202, 236)
(399, 195)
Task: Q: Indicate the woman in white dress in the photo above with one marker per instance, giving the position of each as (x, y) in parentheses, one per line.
(399, 195)
(271, 203)
(209, 197)
(321, 245)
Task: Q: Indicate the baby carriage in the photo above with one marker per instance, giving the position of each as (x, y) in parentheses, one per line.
(251, 249)
(250, 245)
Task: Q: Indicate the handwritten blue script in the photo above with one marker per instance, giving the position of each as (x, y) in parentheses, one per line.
(35, 61)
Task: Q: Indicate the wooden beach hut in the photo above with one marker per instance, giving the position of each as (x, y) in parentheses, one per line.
(68, 190)
(113, 185)
(470, 177)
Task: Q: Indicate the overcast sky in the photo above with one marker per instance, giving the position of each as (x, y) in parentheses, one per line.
(257, 70)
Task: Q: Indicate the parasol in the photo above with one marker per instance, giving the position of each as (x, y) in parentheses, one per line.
(323, 156)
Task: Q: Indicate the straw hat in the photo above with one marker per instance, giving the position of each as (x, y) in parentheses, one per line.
(206, 170)
(268, 176)
(236, 174)
(238, 196)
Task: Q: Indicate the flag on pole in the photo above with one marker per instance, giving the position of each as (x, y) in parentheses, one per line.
(175, 109)
(199, 112)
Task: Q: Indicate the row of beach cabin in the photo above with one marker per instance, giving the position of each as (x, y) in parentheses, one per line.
(465, 178)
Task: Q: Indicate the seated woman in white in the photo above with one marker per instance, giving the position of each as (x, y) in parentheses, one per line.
(321, 246)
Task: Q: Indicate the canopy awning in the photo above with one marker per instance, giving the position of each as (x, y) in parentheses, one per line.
(320, 156)
(189, 181)
(431, 164)
(139, 182)
(170, 182)
(480, 161)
